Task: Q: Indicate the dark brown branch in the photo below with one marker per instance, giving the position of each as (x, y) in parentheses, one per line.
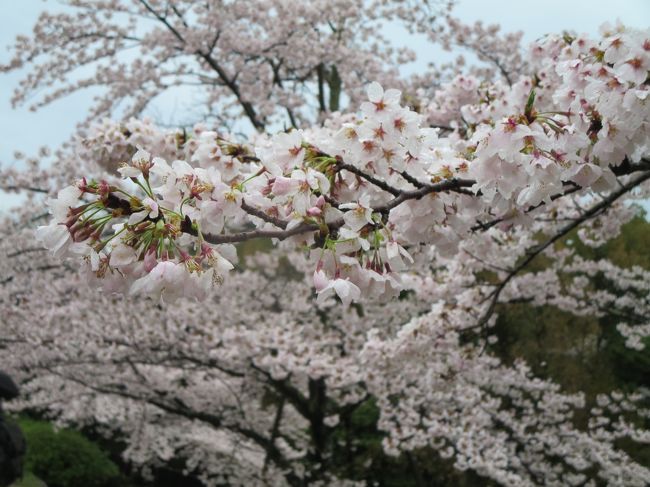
(253, 234)
(622, 169)
(24, 188)
(275, 430)
(411, 179)
(229, 82)
(286, 390)
(443, 127)
(371, 179)
(496, 221)
(447, 185)
(262, 215)
(26, 251)
(292, 118)
(538, 249)
(400, 196)
(321, 87)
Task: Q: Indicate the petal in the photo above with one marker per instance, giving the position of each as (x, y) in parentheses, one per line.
(69, 195)
(160, 167)
(54, 237)
(282, 186)
(122, 255)
(392, 97)
(355, 220)
(152, 205)
(375, 92)
(301, 202)
(137, 217)
(141, 155)
(347, 291)
(182, 168)
(320, 281)
(129, 171)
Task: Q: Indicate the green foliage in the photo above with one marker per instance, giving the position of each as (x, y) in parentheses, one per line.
(29, 480)
(66, 458)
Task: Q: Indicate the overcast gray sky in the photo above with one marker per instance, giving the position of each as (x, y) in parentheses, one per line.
(26, 131)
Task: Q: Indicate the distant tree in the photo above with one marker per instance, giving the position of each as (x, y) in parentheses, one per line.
(416, 220)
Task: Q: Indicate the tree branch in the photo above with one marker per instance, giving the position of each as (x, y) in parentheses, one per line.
(538, 249)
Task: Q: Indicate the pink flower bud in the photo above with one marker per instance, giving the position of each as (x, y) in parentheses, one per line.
(104, 189)
(320, 280)
(82, 184)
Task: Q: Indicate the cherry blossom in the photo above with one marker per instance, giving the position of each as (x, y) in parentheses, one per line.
(401, 229)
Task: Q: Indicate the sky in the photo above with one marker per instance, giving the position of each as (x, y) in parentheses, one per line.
(26, 131)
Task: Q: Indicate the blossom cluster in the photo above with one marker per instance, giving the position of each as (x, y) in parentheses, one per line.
(154, 228)
(359, 191)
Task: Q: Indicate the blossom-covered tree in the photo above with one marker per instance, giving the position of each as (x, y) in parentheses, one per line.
(401, 229)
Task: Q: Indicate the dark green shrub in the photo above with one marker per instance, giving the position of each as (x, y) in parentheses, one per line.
(65, 458)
